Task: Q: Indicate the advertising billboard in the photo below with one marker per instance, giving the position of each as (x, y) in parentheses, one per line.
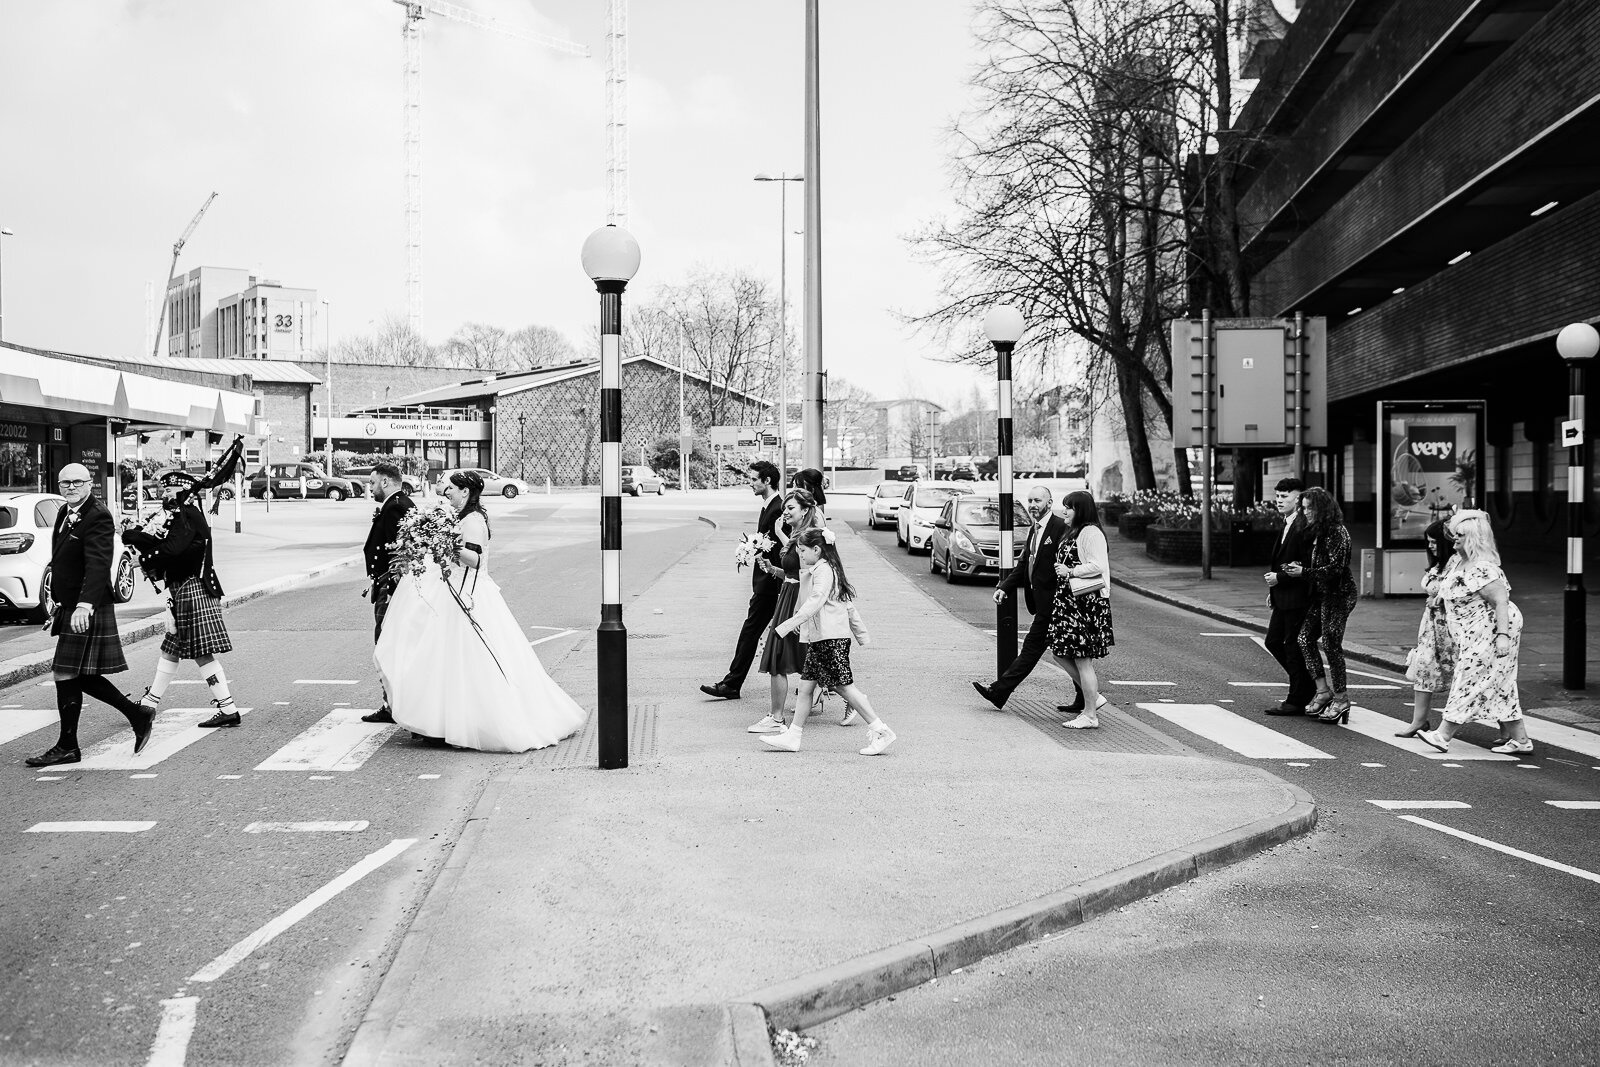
(1429, 465)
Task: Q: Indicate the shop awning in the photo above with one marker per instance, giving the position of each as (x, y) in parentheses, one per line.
(28, 379)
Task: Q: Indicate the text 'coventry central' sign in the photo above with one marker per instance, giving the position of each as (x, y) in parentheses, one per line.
(388, 429)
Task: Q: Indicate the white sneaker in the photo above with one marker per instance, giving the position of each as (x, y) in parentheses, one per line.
(879, 738)
(767, 725)
(850, 717)
(787, 741)
(1513, 747)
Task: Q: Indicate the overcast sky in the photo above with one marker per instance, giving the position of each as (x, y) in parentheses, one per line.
(120, 118)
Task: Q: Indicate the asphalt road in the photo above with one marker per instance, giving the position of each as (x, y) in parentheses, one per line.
(1376, 939)
(99, 928)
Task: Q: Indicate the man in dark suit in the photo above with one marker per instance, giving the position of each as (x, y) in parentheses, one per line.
(84, 620)
(1035, 574)
(764, 588)
(1289, 598)
(388, 489)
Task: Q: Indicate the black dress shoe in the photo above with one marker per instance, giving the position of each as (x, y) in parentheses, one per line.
(53, 756)
(143, 722)
(1072, 708)
(720, 691)
(988, 693)
(221, 718)
(1286, 708)
(381, 715)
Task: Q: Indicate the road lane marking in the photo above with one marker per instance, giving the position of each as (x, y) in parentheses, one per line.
(1380, 727)
(339, 741)
(229, 777)
(1372, 765)
(552, 637)
(1235, 732)
(173, 732)
(151, 775)
(1399, 805)
(1263, 685)
(1381, 677)
(49, 778)
(306, 827)
(1114, 681)
(89, 826)
(1386, 685)
(171, 1046)
(1575, 805)
(1554, 865)
(225, 962)
(1230, 633)
(15, 724)
(1567, 737)
(427, 777)
(325, 681)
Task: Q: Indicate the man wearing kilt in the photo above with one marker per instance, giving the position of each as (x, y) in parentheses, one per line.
(175, 548)
(84, 619)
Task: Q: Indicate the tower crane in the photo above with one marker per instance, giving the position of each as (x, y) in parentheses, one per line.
(416, 11)
(172, 272)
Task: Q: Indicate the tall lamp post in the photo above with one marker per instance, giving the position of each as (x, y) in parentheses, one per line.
(3, 233)
(327, 336)
(1003, 326)
(522, 446)
(783, 319)
(1577, 344)
(611, 258)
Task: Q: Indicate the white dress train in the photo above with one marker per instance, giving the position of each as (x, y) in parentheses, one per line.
(477, 686)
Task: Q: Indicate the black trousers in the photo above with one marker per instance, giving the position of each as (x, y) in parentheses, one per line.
(1034, 646)
(756, 621)
(1283, 641)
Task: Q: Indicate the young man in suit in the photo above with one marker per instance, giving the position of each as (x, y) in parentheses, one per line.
(1289, 598)
(388, 489)
(1035, 573)
(763, 477)
(83, 547)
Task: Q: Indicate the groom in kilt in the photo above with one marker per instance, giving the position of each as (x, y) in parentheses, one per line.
(175, 548)
(84, 619)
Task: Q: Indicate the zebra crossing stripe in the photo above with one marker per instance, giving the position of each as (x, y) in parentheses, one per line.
(1232, 731)
(174, 731)
(1381, 727)
(1419, 805)
(15, 724)
(339, 741)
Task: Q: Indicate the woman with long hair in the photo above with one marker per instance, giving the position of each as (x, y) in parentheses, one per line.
(1430, 663)
(1080, 619)
(1333, 598)
(784, 656)
(1487, 630)
(810, 479)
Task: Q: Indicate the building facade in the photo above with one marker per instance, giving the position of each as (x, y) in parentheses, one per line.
(192, 309)
(267, 321)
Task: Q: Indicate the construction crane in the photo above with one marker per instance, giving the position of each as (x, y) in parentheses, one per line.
(617, 114)
(172, 272)
(412, 33)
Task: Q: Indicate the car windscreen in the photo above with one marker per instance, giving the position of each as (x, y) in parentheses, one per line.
(987, 513)
(933, 498)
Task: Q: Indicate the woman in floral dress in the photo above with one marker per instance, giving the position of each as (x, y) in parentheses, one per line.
(1429, 665)
(1487, 630)
(1080, 626)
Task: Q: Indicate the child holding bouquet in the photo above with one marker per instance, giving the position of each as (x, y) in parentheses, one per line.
(826, 619)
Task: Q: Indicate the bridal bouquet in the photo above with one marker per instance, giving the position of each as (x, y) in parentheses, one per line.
(749, 549)
(427, 535)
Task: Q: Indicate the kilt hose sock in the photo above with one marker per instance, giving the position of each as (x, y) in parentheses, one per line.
(166, 669)
(211, 667)
(69, 706)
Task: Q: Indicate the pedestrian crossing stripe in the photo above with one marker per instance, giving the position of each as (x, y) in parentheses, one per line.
(15, 724)
(339, 741)
(1381, 727)
(1419, 805)
(1233, 731)
(174, 730)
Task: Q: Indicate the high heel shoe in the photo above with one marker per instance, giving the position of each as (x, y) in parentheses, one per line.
(1338, 712)
(1315, 705)
(1413, 730)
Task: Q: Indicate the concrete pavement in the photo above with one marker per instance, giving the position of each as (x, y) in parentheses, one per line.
(663, 913)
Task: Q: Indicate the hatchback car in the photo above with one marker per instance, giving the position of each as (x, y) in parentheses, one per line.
(883, 502)
(358, 476)
(289, 478)
(27, 521)
(966, 537)
(493, 484)
(636, 480)
(918, 511)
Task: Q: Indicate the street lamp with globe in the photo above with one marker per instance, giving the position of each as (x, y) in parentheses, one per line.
(1003, 327)
(1577, 344)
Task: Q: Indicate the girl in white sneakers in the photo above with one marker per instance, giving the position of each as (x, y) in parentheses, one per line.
(827, 619)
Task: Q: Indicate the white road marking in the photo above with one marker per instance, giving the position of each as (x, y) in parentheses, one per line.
(1114, 681)
(1575, 805)
(174, 731)
(533, 626)
(306, 827)
(1260, 685)
(1235, 732)
(49, 778)
(1399, 805)
(552, 637)
(229, 777)
(339, 741)
(1230, 633)
(8, 707)
(325, 681)
(89, 827)
(1389, 677)
(1527, 766)
(1299, 765)
(171, 1046)
(1554, 865)
(151, 775)
(1384, 686)
(1567, 737)
(1372, 765)
(225, 962)
(280, 703)
(427, 777)
(320, 778)
(19, 723)
(1455, 765)
(1380, 727)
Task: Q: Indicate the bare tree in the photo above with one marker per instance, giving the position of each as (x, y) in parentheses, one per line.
(393, 343)
(723, 329)
(538, 346)
(853, 417)
(477, 344)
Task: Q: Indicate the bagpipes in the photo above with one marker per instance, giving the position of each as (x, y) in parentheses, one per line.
(219, 475)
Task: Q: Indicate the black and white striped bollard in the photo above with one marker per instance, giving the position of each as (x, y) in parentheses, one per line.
(1577, 344)
(611, 257)
(1003, 326)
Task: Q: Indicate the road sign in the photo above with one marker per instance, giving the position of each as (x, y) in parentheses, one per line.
(1571, 433)
(738, 438)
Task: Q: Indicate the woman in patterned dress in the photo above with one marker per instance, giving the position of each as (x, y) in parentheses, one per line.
(1430, 663)
(1333, 598)
(1080, 626)
(783, 657)
(1487, 629)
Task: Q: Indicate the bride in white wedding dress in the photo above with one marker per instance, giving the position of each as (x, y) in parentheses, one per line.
(454, 661)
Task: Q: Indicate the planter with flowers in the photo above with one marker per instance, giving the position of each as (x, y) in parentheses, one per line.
(1239, 536)
(1112, 508)
(1143, 508)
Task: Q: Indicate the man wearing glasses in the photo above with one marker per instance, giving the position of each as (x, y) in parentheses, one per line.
(84, 619)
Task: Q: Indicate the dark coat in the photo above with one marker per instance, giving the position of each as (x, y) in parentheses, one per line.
(81, 555)
(182, 552)
(1040, 587)
(385, 530)
(1292, 592)
(760, 580)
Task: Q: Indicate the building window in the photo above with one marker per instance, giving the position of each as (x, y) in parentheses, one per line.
(260, 406)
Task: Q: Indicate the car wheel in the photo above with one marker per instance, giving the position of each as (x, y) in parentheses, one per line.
(127, 582)
(899, 538)
(661, 489)
(47, 603)
(509, 492)
(933, 563)
(225, 493)
(949, 571)
(336, 494)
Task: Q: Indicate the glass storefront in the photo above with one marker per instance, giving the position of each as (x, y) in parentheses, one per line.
(22, 466)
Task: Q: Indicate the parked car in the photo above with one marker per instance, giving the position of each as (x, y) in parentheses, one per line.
(153, 492)
(358, 476)
(636, 480)
(287, 480)
(883, 502)
(910, 472)
(918, 511)
(27, 521)
(966, 537)
(493, 484)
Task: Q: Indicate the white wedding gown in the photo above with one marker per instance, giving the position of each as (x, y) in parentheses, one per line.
(477, 687)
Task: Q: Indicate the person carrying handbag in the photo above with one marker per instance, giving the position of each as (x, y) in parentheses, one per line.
(1080, 620)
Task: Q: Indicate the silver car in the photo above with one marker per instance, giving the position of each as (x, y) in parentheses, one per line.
(919, 510)
(27, 522)
(884, 502)
(493, 484)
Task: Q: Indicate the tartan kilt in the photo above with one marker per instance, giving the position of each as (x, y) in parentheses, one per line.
(200, 629)
(98, 650)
